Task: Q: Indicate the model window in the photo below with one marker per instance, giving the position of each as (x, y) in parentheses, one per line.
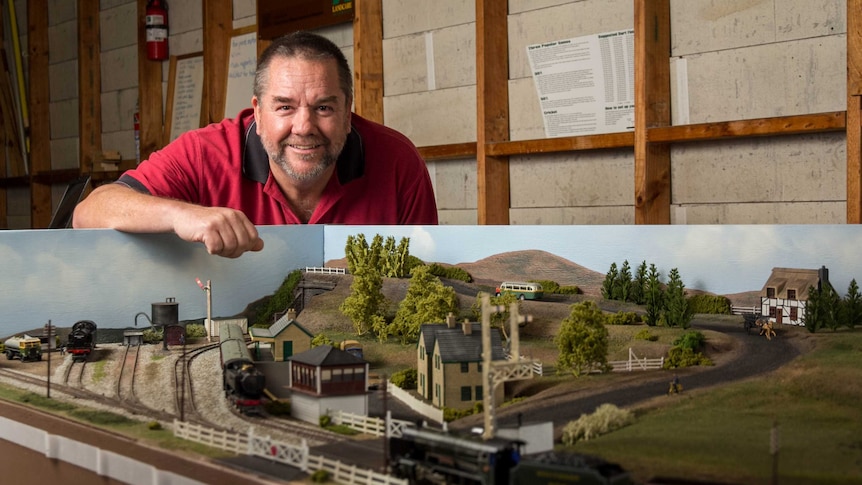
(465, 393)
(465, 367)
(794, 314)
(772, 311)
(479, 394)
(791, 294)
(770, 292)
(326, 375)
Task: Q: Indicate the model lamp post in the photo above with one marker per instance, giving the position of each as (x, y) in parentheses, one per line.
(208, 289)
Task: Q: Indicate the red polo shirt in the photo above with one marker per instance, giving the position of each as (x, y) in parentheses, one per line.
(379, 177)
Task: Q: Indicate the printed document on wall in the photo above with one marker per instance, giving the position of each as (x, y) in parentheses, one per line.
(585, 84)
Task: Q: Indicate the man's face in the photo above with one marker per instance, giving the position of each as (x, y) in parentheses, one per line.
(303, 116)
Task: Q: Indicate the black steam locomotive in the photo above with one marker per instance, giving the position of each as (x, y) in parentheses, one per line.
(426, 456)
(82, 339)
(243, 382)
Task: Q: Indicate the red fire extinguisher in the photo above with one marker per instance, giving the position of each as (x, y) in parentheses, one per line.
(157, 30)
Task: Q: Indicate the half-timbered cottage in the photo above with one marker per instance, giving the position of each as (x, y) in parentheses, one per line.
(785, 294)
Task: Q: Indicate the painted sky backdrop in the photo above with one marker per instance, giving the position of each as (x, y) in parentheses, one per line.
(109, 277)
(722, 259)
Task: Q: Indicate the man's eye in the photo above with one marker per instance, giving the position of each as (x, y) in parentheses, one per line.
(324, 109)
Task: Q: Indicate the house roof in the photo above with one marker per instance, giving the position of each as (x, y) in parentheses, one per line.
(783, 279)
(326, 356)
(455, 346)
(276, 328)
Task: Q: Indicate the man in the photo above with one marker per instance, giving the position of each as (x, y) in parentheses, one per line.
(298, 156)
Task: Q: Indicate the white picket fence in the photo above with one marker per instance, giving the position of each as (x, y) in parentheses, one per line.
(291, 454)
(634, 363)
(325, 270)
(742, 310)
(370, 425)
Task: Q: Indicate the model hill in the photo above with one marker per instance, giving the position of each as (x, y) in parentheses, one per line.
(534, 265)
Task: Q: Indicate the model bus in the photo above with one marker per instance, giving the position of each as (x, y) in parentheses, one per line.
(522, 290)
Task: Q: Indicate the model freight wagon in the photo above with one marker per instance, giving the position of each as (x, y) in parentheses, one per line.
(24, 348)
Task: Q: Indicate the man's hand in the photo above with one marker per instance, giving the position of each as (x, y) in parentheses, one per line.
(224, 232)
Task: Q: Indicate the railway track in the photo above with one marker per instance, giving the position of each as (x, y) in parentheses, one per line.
(184, 395)
(126, 379)
(75, 372)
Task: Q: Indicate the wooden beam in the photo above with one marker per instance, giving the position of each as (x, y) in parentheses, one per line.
(652, 109)
(89, 85)
(492, 114)
(218, 25)
(149, 91)
(854, 112)
(563, 144)
(368, 59)
(453, 151)
(777, 126)
(40, 119)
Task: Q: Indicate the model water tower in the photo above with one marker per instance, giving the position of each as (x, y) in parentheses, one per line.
(165, 314)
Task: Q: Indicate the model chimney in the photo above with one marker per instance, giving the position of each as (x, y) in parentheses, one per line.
(291, 314)
(450, 320)
(467, 327)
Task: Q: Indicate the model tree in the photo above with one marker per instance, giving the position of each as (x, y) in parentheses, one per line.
(676, 310)
(390, 259)
(653, 297)
(583, 340)
(639, 283)
(610, 282)
(427, 300)
(851, 307)
(366, 302)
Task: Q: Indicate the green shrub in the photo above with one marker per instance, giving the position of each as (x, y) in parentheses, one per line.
(569, 290)
(154, 426)
(712, 304)
(324, 420)
(195, 330)
(684, 357)
(605, 419)
(622, 318)
(100, 417)
(645, 335)
(450, 272)
(451, 414)
(320, 476)
(405, 379)
(690, 340)
(152, 335)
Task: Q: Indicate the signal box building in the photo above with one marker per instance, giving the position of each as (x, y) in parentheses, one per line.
(785, 294)
(326, 378)
(449, 363)
(285, 337)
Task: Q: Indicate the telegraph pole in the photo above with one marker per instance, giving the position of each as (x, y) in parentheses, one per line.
(48, 328)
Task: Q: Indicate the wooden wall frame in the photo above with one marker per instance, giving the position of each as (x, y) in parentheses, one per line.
(651, 139)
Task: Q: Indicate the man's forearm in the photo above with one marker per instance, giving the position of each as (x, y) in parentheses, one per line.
(119, 207)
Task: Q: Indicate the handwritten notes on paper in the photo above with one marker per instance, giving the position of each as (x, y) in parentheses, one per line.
(186, 100)
(242, 62)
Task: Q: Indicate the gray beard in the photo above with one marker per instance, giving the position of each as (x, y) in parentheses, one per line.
(327, 161)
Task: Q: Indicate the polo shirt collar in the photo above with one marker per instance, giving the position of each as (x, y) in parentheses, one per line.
(255, 162)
